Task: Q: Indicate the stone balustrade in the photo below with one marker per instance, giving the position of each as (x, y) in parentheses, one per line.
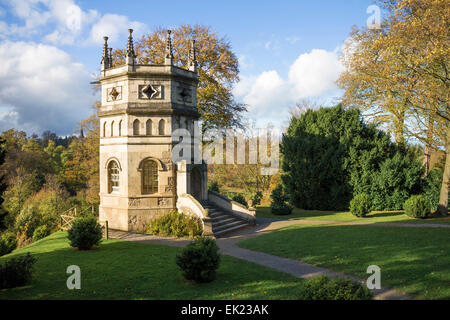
(188, 205)
(232, 207)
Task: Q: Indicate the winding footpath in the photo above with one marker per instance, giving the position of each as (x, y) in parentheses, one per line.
(228, 246)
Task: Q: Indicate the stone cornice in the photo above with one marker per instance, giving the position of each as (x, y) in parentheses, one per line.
(165, 108)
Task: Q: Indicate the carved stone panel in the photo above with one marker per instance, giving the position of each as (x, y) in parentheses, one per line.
(163, 202)
(184, 93)
(150, 92)
(134, 202)
(114, 94)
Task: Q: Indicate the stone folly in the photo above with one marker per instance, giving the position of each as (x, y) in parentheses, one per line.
(141, 106)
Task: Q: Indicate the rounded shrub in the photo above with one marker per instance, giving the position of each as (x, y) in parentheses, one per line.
(16, 272)
(8, 243)
(175, 224)
(199, 260)
(279, 205)
(239, 198)
(85, 233)
(257, 197)
(324, 288)
(41, 232)
(360, 205)
(417, 207)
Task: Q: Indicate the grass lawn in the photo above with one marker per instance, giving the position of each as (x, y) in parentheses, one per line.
(374, 216)
(413, 260)
(129, 270)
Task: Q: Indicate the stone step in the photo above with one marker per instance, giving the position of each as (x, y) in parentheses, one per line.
(228, 225)
(219, 222)
(223, 222)
(235, 227)
(218, 215)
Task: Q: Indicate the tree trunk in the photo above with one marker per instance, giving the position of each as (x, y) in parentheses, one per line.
(429, 141)
(400, 125)
(443, 199)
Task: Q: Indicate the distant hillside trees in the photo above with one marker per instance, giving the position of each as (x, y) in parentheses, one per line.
(43, 177)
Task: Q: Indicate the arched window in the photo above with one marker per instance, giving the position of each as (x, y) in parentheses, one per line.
(113, 177)
(104, 129)
(148, 127)
(161, 127)
(136, 125)
(112, 129)
(149, 177)
(120, 128)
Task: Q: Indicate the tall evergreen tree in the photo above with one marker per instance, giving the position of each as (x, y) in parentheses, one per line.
(330, 154)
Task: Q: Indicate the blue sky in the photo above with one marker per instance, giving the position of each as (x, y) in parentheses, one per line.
(288, 50)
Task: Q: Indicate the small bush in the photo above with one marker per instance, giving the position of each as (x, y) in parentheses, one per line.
(360, 205)
(417, 207)
(214, 186)
(40, 233)
(324, 288)
(256, 198)
(175, 224)
(16, 272)
(8, 243)
(239, 198)
(279, 205)
(85, 233)
(199, 260)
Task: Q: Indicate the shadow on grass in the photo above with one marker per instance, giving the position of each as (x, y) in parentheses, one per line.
(129, 270)
(380, 214)
(264, 213)
(412, 260)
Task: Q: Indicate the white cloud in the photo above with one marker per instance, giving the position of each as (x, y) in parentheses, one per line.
(42, 87)
(243, 87)
(269, 97)
(114, 26)
(70, 19)
(70, 23)
(265, 95)
(314, 73)
(266, 90)
(33, 15)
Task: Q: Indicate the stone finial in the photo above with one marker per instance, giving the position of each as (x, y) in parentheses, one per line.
(192, 57)
(131, 55)
(110, 58)
(105, 58)
(169, 53)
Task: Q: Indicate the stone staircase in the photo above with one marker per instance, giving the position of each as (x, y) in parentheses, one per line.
(223, 222)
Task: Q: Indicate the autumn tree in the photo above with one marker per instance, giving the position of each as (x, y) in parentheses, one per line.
(80, 160)
(368, 84)
(3, 184)
(91, 130)
(218, 69)
(421, 32)
(404, 70)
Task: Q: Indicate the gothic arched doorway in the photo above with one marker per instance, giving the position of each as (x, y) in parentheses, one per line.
(196, 184)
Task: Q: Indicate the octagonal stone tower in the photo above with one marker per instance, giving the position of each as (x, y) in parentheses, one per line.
(141, 106)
